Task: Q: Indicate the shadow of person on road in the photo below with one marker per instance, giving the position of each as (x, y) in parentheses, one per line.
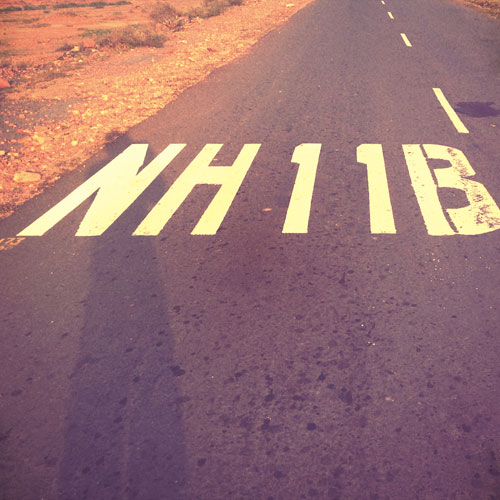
(124, 436)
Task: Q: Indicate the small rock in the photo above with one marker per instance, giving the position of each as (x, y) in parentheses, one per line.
(2, 153)
(27, 177)
(4, 83)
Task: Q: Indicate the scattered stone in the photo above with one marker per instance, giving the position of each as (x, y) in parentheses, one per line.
(4, 83)
(27, 177)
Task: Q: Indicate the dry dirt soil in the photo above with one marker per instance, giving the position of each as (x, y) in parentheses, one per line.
(68, 96)
(64, 95)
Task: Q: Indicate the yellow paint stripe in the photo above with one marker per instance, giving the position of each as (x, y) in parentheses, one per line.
(405, 40)
(199, 171)
(383, 3)
(426, 191)
(117, 185)
(381, 215)
(461, 128)
(297, 215)
(390, 15)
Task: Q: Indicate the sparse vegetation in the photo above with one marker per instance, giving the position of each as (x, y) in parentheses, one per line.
(132, 36)
(163, 13)
(11, 8)
(211, 8)
(96, 5)
(65, 47)
(53, 75)
(34, 7)
(72, 5)
(7, 53)
(97, 33)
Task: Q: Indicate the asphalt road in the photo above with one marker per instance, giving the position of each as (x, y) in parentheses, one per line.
(331, 330)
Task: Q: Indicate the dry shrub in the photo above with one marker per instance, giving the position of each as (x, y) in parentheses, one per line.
(166, 15)
(135, 35)
(212, 8)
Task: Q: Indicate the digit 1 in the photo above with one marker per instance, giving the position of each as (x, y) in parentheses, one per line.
(381, 216)
(299, 208)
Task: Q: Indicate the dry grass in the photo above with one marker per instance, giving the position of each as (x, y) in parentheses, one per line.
(132, 36)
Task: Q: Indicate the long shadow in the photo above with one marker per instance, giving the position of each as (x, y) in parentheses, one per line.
(124, 436)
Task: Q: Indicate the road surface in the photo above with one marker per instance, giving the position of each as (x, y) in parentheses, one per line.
(283, 286)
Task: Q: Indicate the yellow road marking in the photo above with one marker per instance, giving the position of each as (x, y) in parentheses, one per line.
(405, 40)
(426, 191)
(461, 128)
(390, 15)
(117, 185)
(199, 171)
(482, 215)
(299, 208)
(381, 215)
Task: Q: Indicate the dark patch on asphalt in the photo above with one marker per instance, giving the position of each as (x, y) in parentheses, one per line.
(477, 109)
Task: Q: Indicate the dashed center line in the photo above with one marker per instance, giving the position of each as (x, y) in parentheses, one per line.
(452, 115)
(405, 40)
(382, 1)
(390, 15)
